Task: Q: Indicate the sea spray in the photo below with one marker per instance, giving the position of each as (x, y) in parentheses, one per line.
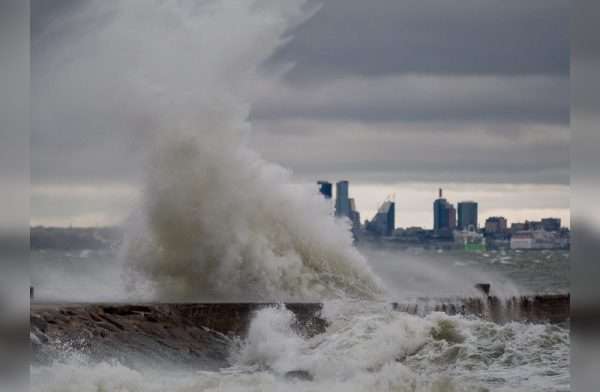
(271, 342)
(238, 229)
(214, 221)
(426, 276)
(370, 338)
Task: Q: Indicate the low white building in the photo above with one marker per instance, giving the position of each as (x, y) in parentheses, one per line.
(522, 240)
(536, 239)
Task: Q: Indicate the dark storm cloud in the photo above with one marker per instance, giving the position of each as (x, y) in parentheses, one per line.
(422, 67)
(457, 37)
(452, 99)
(389, 153)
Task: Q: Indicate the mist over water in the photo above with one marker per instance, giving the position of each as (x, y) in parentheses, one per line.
(416, 273)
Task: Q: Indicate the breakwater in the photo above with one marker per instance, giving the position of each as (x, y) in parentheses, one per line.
(535, 308)
(200, 334)
(194, 335)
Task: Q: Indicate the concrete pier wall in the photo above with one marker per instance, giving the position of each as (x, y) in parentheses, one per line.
(201, 334)
(538, 308)
(194, 335)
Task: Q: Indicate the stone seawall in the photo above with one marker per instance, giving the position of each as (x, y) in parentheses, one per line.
(202, 334)
(537, 308)
(196, 335)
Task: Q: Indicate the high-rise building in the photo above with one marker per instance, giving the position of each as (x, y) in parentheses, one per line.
(467, 215)
(383, 223)
(354, 215)
(451, 217)
(325, 188)
(439, 212)
(352, 204)
(444, 214)
(342, 202)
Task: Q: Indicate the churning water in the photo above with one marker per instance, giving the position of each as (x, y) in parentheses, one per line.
(367, 347)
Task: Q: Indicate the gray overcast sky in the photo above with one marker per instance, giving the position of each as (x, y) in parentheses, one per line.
(395, 96)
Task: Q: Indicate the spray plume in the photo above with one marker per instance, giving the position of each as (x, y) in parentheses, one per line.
(215, 221)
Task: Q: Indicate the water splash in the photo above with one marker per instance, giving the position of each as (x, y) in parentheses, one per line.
(215, 221)
(367, 346)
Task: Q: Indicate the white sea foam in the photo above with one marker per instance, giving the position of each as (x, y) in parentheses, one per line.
(367, 347)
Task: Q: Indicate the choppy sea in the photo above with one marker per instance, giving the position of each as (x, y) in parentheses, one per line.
(367, 346)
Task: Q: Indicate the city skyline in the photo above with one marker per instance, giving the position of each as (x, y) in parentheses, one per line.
(414, 212)
(482, 212)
